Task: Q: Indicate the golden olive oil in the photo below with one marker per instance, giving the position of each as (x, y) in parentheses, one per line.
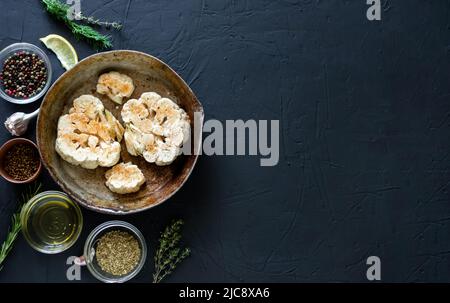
(54, 223)
(51, 222)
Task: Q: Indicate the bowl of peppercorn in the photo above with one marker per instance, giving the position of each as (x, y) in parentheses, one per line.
(20, 161)
(25, 73)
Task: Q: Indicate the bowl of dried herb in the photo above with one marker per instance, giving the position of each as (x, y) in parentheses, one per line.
(115, 252)
(20, 161)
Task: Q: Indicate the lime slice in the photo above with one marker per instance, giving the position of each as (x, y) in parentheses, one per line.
(63, 49)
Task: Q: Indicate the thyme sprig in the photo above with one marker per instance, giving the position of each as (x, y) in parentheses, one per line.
(82, 32)
(98, 22)
(169, 254)
(15, 227)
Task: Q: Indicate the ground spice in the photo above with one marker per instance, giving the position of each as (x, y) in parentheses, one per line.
(118, 252)
(21, 162)
(24, 75)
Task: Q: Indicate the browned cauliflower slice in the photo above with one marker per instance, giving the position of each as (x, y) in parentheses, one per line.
(115, 85)
(156, 128)
(89, 135)
(124, 178)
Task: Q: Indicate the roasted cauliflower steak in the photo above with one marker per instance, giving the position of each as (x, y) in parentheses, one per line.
(156, 128)
(89, 135)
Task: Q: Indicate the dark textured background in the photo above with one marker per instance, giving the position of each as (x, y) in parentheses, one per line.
(364, 162)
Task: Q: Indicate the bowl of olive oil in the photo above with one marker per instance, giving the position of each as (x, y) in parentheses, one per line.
(51, 222)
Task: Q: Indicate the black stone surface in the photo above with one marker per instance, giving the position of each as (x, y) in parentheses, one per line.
(364, 111)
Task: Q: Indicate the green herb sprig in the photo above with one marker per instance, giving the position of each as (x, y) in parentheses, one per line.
(83, 32)
(15, 227)
(98, 22)
(169, 255)
(10, 238)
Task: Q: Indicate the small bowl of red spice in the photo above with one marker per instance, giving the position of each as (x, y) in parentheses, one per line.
(25, 73)
(20, 161)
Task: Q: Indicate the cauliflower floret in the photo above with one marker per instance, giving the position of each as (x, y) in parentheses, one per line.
(124, 178)
(115, 85)
(89, 135)
(156, 128)
(109, 154)
(88, 105)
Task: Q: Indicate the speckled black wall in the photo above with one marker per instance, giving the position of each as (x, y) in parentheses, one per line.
(364, 141)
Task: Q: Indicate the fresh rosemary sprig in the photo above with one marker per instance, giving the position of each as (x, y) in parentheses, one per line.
(97, 40)
(15, 227)
(169, 255)
(13, 231)
(85, 32)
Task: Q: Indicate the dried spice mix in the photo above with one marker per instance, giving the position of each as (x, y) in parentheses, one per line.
(118, 252)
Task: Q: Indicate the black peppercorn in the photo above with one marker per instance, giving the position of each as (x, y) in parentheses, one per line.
(21, 162)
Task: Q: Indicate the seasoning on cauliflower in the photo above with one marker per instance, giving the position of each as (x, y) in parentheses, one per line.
(124, 178)
(115, 85)
(156, 128)
(89, 135)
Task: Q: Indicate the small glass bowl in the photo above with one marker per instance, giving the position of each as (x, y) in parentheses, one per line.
(16, 47)
(44, 222)
(91, 243)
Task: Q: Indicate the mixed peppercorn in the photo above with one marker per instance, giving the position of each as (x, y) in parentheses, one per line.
(24, 75)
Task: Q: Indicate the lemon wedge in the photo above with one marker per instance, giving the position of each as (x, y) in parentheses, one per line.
(63, 49)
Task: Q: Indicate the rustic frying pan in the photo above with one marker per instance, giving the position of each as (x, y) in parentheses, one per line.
(86, 186)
